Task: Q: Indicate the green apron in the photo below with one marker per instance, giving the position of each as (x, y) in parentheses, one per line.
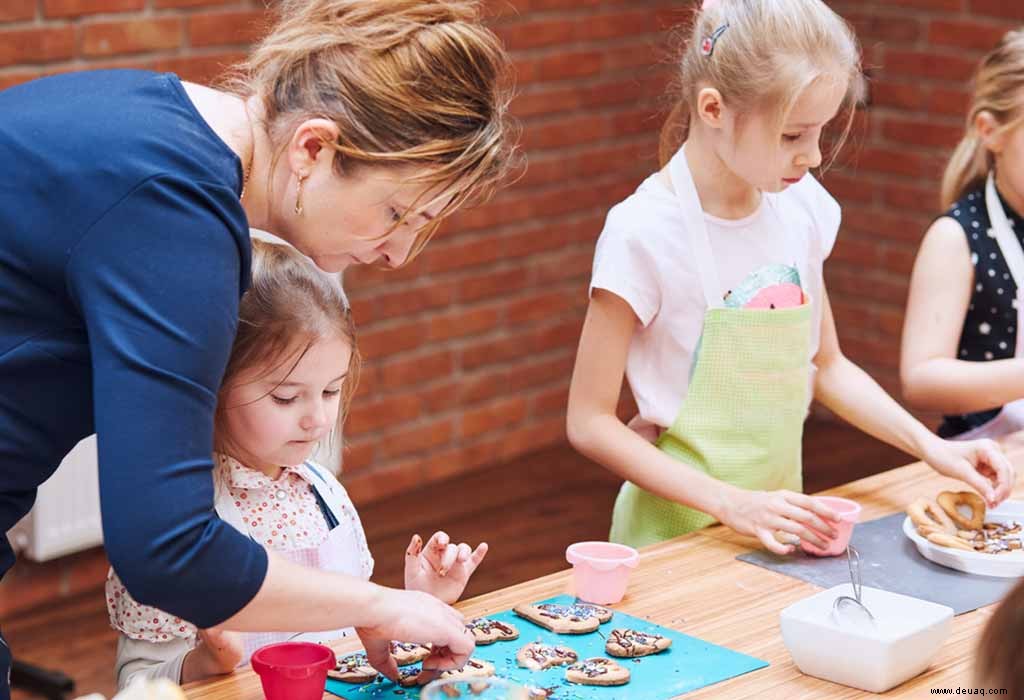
(742, 418)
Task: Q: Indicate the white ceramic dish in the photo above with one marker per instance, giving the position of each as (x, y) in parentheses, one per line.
(1007, 565)
(870, 655)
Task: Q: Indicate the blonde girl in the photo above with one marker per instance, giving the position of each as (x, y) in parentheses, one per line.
(289, 382)
(707, 293)
(962, 347)
(353, 129)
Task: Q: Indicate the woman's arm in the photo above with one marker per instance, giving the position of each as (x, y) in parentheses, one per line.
(848, 391)
(933, 377)
(596, 431)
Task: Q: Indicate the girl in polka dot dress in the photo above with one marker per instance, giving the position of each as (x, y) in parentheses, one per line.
(963, 353)
(292, 371)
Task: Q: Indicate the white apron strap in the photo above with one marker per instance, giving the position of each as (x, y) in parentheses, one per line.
(697, 230)
(1009, 245)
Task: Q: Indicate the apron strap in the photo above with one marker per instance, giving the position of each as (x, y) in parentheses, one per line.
(1008, 242)
(697, 230)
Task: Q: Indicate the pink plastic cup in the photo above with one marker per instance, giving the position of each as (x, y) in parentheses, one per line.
(293, 670)
(849, 514)
(601, 570)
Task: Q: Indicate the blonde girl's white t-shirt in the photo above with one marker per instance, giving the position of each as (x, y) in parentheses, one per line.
(642, 256)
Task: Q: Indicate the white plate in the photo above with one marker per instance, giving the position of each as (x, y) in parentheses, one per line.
(1009, 565)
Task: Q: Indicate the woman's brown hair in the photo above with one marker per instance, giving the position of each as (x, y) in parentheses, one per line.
(408, 82)
(1000, 657)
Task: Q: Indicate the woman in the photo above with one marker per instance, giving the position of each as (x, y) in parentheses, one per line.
(350, 132)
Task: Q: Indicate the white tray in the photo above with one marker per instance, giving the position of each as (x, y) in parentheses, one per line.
(1010, 564)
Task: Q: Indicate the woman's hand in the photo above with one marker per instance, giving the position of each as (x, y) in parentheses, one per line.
(441, 568)
(413, 616)
(761, 514)
(218, 652)
(979, 463)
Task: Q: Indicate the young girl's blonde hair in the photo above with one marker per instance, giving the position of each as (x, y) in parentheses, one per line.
(764, 53)
(998, 89)
(408, 82)
(290, 305)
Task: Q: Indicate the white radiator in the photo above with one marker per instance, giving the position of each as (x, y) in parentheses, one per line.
(66, 516)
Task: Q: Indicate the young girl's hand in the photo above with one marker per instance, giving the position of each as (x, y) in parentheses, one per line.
(761, 514)
(441, 568)
(979, 463)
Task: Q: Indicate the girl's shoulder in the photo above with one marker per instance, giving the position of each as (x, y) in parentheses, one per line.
(811, 197)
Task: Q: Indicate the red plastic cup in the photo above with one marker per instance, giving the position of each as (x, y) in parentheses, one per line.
(601, 570)
(849, 514)
(293, 670)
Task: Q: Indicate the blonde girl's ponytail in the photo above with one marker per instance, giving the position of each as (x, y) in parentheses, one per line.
(998, 90)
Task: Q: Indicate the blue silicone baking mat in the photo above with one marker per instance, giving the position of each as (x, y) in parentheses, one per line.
(689, 664)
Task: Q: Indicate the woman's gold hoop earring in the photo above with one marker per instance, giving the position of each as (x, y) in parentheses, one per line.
(298, 196)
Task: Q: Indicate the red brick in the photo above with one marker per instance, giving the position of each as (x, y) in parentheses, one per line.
(17, 10)
(564, 65)
(855, 251)
(203, 69)
(921, 132)
(567, 131)
(488, 352)
(357, 455)
(887, 160)
(495, 416)
(536, 373)
(440, 397)
(533, 436)
(925, 64)
(411, 301)
(162, 4)
(886, 93)
(531, 33)
(849, 188)
(905, 197)
(417, 438)
(615, 25)
(445, 257)
(383, 482)
(885, 224)
(73, 8)
(19, 46)
(949, 101)
(858, 284)
(463, 323)
(853, 315)
(392, 339)
(482, 386)
(967, 34)
(410, 371)
(1010, 9)
(491, 284)
(131, 36)
(570, 265)
(888, 28)
(549, 401)
(891, 322)
(226, 28)
(929, 4)
(542, 306)
(373, 415)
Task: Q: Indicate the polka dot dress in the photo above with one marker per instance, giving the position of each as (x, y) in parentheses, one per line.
(990, 327)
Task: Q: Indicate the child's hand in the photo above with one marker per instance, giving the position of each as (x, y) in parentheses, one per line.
(979, 463)
(217, 653)
(761, 514)
(441, 568)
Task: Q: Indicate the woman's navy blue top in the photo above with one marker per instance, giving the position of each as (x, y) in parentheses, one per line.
(124, 250)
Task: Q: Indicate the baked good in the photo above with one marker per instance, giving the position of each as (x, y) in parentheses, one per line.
(597, 671)
(631, 643)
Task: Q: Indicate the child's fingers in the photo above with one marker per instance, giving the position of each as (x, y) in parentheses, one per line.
(464, 553)
(415, 546)
(438, 541)
(478, 555)
(448, 559)
(772, 544)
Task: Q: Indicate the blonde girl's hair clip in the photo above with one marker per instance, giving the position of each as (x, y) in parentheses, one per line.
(707, 44)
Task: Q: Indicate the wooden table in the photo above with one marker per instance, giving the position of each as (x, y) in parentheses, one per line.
(695, 585)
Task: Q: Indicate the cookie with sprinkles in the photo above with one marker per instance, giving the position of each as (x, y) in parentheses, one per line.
(537, 656)
(353, 668)
(406, 653)
(474, 668)
(626, 643)
(579, 618)
(487, 631)
(597, 671)
(409, 677)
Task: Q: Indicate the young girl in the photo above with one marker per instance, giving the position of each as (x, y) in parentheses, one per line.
(735, 220)
(962, 352)
(291, 374)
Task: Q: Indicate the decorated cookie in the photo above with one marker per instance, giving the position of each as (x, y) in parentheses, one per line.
(474, 668)
(537, 656)
(597, 671)
(406, 653)
(409, 676)
(487, 631)
(353, 668)
(579, 618)
(630, 643)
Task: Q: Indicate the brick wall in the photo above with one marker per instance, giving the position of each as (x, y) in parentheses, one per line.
(469, 351)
